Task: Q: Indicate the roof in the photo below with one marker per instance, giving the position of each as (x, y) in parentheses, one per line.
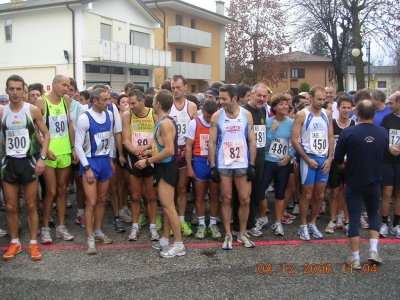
(377, 69)
(30, 4)
(299, 56)
(190, 9)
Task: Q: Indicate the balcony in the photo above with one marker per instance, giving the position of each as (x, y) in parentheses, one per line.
(186, 36)
(190, 70)
(103, 50)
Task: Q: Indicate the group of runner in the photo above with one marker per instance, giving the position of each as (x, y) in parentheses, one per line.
(240, 142)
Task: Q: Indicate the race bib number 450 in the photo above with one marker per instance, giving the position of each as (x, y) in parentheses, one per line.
(233, 152)
(319, 143)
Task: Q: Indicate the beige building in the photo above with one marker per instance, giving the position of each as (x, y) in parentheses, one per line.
(196, 39)
(304, 67)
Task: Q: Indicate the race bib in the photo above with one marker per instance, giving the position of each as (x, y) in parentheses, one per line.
(58, 126)
(204, 144)
(279, 148)
(233, 152)
(181, 124)
(102, 141)
(394, 137)
(318, 143)
(260, 134)
(141, 139)
(17, 142)
(335, 140)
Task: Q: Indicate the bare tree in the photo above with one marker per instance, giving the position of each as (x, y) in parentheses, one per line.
(254, 41)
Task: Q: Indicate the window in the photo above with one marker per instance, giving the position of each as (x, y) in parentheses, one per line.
(105, 31)
(382, 84)
(139, 72)
(179, 55)
(139, 39)
(179, 20)
(8, 30)
(284, 74)
(193, 57)
(104, 69)
(298, 73)
(192, 88)
(193, 23)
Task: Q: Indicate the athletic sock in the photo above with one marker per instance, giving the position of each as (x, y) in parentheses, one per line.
(97, 231)
(164, 241)
(213, 221)
(81, 212)
(152, 226)
(182, 219)
(202, 221)
(16, 241)
(135, 225)
(385, 219)
(90, 238)
(373, 245)
(178, 245)
(33, 241)
(396, 220)
(356, 255)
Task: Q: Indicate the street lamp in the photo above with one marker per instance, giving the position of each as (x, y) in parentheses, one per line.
(356, 52)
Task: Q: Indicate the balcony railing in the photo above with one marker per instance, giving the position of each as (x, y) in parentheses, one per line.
(190, 70)
(189, 37)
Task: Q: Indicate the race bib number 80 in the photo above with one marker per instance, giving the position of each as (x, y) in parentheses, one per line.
(58, 126)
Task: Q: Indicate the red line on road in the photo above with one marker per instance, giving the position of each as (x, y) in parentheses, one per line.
(213, 244)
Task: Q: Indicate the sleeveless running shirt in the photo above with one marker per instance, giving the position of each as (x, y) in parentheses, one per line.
(100, 135)
(142, 129)
(157, 148)
(201, 138)
(57, 122)
(182, 119)
(314, 134)
(19, 132)
(232, 149)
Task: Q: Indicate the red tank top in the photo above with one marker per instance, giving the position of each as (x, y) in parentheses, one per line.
(201, 139)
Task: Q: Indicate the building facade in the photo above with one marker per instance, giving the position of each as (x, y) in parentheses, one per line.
(110, 42)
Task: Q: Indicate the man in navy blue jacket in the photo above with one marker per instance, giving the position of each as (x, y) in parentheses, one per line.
(365, 145)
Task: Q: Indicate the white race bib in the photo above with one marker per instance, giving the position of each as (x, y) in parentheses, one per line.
(58, 126)
(233, 152)
(260, 134)
(318, 142)
(204, 144)
(278, 148)
(181, 124)
(103, 142)
(17, 142)
(141, 138)
(394, 137)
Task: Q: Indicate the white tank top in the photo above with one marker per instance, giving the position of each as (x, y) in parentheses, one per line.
(314, 134)
(182, 119)
(232, 149)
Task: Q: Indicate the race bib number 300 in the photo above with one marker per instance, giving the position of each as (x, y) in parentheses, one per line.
(58, 126)
(260, 132)
(394, 137)
(102, 141)
(233, 152)
(17, 142)
(318, 143)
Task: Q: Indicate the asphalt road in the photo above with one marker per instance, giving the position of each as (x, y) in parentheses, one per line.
(278, 268)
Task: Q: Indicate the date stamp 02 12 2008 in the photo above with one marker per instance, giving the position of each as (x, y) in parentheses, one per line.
(312, 269)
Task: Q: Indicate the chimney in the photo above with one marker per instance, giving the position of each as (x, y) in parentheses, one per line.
(220, 7)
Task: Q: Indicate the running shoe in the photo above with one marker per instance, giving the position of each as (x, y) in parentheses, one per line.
(69, 204)
(201, 232)
(346, 229)
(172, 252)
(127, 211)
(62, 233)
(296, 209)
(142, 221)
(384, 230)
(262, 222)
(51, 221)
(102, 238)
(303, 233)
(133, 236)
(339, 222)
(71, 189)
(219, 218)
(267, 211)
(322, 211)
(157, 245)
(363, 223)
(91, 247)
(374, 257)
(3, 233)
(355, 263)
(331, 227)
(254, 232)
(154, 234)
(118, 225)
(289, 215)
(285, 220)
(278, 229)
(34, 251)
(227, 245)
(124, 216)
(195, 219)
(243, 239)
(159, 221)
(80, 220)
(290, 204)
(236, 233)
(186, 229)
(2, 206)
(214, 231)
(315, 232)
(396, 231)
(12, 251)
(45, 237)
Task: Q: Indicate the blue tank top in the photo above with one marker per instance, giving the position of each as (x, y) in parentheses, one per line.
(157, 148)
(110, 108)
(100, 135)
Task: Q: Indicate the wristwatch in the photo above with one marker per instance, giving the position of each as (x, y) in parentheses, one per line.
(148, 164)
(87, 167)
(44, 157)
